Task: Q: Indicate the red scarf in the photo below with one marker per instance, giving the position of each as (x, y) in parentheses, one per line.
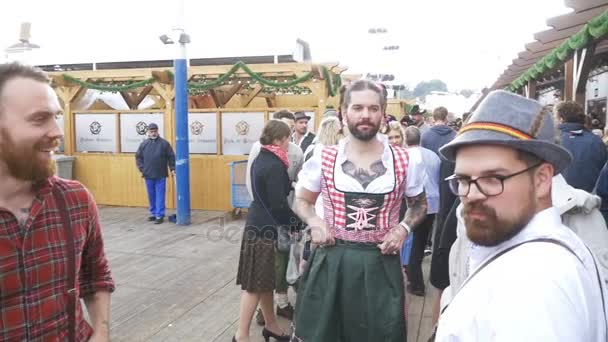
(279, 152)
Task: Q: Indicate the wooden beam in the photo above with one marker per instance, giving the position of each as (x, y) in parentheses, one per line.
(198, 101)
(270, 102)
(531, 89)
(164, 90)
(254, 92)
(228, 95)
(216, 99)
(128, 97)
(142, 95)
(159, 102)
(569, 75)
(162, 76)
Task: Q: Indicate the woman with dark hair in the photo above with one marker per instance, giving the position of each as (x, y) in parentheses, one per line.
(270, 186)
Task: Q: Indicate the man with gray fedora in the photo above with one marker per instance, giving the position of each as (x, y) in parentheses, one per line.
(530, 278)
(301, 136)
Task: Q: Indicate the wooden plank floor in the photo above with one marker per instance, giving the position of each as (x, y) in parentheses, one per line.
(178, 283)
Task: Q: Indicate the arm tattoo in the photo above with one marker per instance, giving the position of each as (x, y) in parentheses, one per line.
(416, 210)
(363, 176)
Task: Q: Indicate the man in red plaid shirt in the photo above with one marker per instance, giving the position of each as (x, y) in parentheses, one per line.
(35, 208)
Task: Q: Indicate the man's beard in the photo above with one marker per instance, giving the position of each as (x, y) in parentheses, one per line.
(490, 230)
(361, 135)
(23, 162)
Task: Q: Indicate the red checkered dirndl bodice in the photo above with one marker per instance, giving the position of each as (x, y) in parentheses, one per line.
(361, 217)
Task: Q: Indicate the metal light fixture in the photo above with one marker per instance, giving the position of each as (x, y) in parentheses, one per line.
(166, 39)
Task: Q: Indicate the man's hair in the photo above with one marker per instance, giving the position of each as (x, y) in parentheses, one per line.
(284, 114)
(9, 71)
(528, 158)
(412, 136)
(362, 85)
(440, 114)
(274, 130)
(570, 111)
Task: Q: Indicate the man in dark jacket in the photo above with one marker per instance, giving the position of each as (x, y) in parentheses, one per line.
(302, 137)
(588, 151)
(153, 157)
(440, 134)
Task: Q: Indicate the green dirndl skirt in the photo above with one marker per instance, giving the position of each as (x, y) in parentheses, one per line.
(351, 292)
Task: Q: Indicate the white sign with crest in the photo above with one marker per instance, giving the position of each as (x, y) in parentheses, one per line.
(202, 135)
(240, 131)
(96, 133)
(134, 129)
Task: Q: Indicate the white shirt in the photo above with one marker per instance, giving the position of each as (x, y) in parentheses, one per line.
(430, 163)
(535, 292)
(294, 138)
(310, 176)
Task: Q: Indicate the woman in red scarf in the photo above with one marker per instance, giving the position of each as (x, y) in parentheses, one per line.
(270, 185)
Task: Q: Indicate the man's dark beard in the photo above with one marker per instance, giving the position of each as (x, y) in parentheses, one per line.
(492, 231)
(23, 162)
(364, 136)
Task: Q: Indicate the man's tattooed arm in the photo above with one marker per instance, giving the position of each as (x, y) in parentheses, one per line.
(363, 176)
(416, 210)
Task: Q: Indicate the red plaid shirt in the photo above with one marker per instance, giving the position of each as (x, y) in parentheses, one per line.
(33, 265)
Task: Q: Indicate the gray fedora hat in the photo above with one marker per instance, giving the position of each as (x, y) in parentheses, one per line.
(301, 116)
(507, 119)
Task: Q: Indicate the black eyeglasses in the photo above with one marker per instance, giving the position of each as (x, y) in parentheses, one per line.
(487, 185)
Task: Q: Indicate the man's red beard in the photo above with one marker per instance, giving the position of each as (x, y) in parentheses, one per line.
(24, 162)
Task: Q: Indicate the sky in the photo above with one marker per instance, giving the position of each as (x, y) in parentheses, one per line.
(465, 43)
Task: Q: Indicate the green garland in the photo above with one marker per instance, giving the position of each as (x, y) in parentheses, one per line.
(594, 29)
(332, 80)
(112, 88)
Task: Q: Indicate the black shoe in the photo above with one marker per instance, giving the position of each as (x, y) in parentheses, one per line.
(268, 334)
(159, 220)
(259, 318)
(428, 251)
(286, 312)
(151, 218)
(415, 291)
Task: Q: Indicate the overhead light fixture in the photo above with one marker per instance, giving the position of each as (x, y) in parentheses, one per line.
(165, 39)
(184, 38)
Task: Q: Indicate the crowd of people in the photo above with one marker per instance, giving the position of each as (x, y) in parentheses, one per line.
(370, 193)
(510, 197)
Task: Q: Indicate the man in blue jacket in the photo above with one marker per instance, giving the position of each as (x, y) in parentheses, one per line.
(154, 156)
(440, 133)
(588, 151)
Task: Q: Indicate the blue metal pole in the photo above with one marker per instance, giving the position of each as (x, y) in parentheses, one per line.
(182, 153)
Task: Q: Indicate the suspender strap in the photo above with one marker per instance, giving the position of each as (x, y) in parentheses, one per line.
(504, 251)
(71, 267)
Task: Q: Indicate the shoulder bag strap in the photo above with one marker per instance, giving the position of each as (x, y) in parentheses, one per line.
(69, 234)
(503, 252)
